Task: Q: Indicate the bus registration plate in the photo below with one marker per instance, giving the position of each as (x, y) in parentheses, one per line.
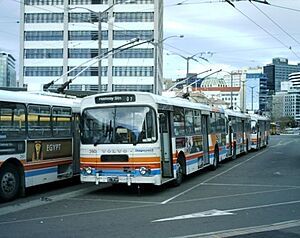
(112, 179)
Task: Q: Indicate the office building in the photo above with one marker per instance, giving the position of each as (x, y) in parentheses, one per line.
(7, 70)
(278, 72)
(59, 35)
(256, 90)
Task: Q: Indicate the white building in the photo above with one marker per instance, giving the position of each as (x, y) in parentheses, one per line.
(287, 102)
(58, 35)
(217, 89)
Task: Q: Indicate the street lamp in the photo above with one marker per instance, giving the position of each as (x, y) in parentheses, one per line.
(188, 58)
(100, 18)
(231, 92)
(156, 45)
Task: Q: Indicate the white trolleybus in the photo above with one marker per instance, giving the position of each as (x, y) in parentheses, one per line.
(238, 138)
(136, 137)
(37, 140)
(260, 130)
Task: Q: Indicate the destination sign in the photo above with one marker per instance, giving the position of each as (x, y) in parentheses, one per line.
(115, 99)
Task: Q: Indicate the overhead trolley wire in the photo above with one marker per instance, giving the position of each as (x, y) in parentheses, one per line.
(266, 31)
(275, 23)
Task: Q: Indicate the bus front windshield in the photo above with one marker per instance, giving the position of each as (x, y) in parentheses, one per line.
(118, 125)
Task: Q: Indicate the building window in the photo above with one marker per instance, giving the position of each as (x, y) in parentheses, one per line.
(132, 71)
(128, 35)
(91, 71)
(135, 53)
(86, 17)
(44, 2)
(43, 71)
(134, 2)
(134, 16)
(43, 35)
(84, 2)
(43, 53)
(44, 17)
(84, 53)
(87, 35)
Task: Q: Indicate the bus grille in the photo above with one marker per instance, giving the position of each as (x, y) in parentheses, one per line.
(114, 158)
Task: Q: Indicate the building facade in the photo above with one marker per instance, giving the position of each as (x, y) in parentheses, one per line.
(256, 91)
(61, 35)
(278, 72)
(7, 70)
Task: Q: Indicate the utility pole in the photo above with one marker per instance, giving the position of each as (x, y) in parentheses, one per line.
(99, 52)
(252, 87)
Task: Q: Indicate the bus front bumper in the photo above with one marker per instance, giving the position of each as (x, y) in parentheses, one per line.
(129, 179)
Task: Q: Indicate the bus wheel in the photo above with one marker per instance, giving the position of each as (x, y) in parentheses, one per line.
(179, 173)
(216, 159)
(9, 182)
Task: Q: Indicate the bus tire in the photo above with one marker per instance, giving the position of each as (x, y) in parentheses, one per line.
(9, 182)
(179, 172)
(215, 164)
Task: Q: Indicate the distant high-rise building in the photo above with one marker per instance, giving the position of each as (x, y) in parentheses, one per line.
(7, 70)
(58, 35)
(277, 72)
(256, 90)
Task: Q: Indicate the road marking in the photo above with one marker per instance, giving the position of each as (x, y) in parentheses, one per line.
(233, 195)
(216, 212)
(209, 213)
(246, 230)
(250, 185)
(75, 214)
(209, 179)
(44, 200)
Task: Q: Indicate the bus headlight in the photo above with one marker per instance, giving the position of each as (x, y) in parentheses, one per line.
(144, 171)
(88, 170)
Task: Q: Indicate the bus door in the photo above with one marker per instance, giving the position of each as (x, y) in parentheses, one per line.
(243, 135)
(76, 144)
(230, 135)
(204, 121)
(166, 144)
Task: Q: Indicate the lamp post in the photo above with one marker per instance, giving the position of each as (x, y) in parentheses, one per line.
(156, 46)
(231, 92)
(100, 18)
(188, 58)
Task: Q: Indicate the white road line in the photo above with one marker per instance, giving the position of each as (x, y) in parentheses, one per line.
(61, 216)
(233, 195)
(110, 200)
(250, 185)
(218, 175)
(215, 212)
(42, 201)
(246, 230)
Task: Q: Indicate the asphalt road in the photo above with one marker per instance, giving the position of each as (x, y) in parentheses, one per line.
(256, 195)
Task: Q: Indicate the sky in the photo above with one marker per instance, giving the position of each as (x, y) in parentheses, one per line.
(228, 38)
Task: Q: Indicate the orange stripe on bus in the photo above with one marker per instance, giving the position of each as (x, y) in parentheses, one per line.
(132, 159)
(119, 166)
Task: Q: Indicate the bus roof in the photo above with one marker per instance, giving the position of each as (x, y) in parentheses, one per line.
(36, 98)
(144, 98)
(256, 117)
(229, 112)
